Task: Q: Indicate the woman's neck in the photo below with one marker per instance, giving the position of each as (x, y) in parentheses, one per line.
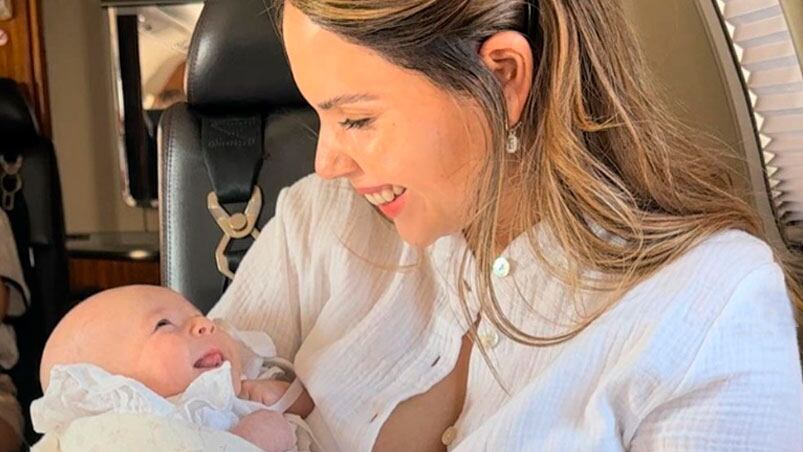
(507, 228)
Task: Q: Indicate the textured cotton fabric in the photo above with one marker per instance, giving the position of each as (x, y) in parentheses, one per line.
(700, 357)
(138, 433)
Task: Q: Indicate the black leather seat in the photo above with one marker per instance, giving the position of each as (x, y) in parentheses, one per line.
(37, 219)
(241, 101)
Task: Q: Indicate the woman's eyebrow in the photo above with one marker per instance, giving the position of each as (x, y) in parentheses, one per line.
(346, 99)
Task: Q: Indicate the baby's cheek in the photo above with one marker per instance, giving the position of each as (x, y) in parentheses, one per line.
(182, 376)
(164, 369)
(232, 352)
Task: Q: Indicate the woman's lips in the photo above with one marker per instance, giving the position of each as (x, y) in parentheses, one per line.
(389, 199)
(393, 209)
(211, 360)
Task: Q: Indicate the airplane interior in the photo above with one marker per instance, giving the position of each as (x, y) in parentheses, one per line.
(148, 141)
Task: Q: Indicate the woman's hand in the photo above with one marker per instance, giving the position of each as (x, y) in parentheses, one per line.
(268, 392)
(267, 430)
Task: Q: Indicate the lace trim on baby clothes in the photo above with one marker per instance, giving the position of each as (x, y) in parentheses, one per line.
(81, 390)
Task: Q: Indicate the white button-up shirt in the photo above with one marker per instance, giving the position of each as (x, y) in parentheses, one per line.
(701, 356)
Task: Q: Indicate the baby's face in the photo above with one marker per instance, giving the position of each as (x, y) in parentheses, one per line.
(175, 343)
(150, 334)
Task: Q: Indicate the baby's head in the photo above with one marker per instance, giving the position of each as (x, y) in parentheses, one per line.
(147, 333)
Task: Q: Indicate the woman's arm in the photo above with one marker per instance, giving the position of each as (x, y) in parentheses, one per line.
(743, 390)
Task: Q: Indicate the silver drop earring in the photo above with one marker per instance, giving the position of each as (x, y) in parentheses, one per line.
(512, 140)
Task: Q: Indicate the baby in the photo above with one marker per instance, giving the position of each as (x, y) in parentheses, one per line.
(147, 350)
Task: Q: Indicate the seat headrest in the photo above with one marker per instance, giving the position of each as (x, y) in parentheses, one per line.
(16, 122)
(236, 59)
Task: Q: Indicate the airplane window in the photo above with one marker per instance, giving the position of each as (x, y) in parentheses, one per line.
(149, 55)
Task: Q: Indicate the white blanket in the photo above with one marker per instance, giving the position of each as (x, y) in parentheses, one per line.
(137, 433)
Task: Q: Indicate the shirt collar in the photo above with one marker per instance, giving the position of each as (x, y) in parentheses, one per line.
(448, 253)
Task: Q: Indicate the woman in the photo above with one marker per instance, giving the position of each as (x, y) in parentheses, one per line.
(13, 294)
(563, 268)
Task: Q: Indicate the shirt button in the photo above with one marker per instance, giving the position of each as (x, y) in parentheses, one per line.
(501, 267)
(489, 339)
(449, 436)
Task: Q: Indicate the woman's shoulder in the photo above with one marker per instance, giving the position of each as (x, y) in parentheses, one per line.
(705, 277)
(721, 260)
(729, 272)
(727, 284)
(734, 243)
(720, 313)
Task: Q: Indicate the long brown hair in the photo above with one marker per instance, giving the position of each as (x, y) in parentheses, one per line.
(601, 156)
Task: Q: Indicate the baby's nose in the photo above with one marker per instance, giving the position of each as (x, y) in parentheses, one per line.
(201, 326)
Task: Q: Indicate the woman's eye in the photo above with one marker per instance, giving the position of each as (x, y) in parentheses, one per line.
(161, 323)
(349, 124)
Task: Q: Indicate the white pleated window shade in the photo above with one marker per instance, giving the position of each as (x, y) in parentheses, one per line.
(771, 69)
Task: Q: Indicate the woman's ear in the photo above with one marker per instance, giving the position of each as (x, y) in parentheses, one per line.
(509, 56)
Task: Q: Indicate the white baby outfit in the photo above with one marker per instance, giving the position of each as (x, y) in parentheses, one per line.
(80, 391)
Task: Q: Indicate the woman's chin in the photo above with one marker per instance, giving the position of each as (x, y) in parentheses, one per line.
(416, 236)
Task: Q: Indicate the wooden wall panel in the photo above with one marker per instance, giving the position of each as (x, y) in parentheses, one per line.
(91, 275)
(22, 58)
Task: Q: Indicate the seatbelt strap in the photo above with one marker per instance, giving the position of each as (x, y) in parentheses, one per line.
(233, 155)
(232, 148)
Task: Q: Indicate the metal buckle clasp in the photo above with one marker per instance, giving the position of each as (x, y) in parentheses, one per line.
(234, 227)
(10, 181)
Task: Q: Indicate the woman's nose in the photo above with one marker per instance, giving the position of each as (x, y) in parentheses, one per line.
(200, 326)
(331, 162)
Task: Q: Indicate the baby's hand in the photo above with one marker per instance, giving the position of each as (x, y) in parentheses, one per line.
(267, 430)
(268, 392)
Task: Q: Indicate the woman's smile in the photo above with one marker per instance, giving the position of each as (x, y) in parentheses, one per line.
(389, 199)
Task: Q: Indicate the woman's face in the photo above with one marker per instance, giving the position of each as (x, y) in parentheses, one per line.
(405, 144)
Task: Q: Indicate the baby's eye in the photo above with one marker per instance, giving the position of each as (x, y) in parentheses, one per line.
(161, 323)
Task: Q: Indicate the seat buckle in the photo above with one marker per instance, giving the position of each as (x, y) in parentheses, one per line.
(10, 181)
(237, 226)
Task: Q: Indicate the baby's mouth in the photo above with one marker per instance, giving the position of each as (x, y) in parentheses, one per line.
(210, 360)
